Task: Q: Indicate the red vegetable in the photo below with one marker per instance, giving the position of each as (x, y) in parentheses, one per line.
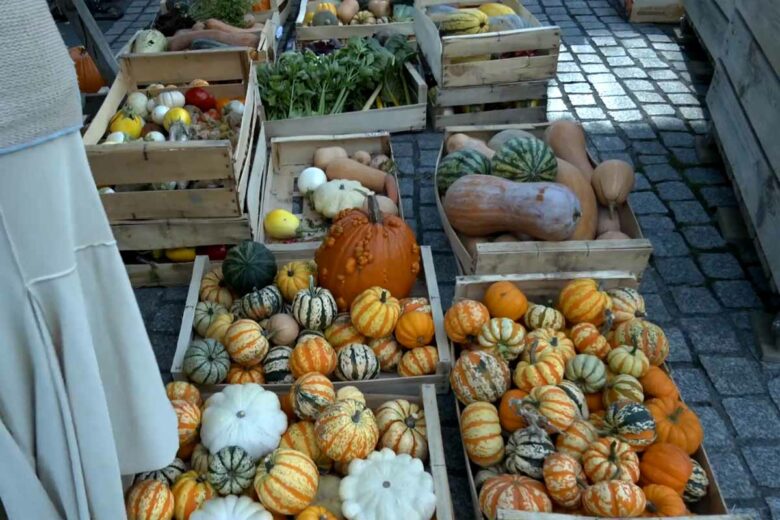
(216, 252)
(201, 98)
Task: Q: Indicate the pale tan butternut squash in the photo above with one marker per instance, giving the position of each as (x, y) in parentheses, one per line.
(323, 156)
(567, 140)
(350, 169)
(607, 222)
(457, 142)
(470, 243)
(571, 177)
(477, 205)
(612, 182)
(613, 235)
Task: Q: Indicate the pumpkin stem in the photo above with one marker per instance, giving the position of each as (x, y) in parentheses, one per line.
(411, 421)
(374, 214)
(311, 284)
(676, 414)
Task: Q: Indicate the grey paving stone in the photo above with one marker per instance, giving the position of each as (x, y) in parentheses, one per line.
(753, 417)
(649, 283)
(647, 160)
(618, 102)
(568, 66)
(638, 130)
(608, 143)
(447, 292)
(164, 347)
(553, 91)
(659, 38)
(629, 72)
(556, 116)
(704, 176)
(639, 84)
(684, 99)
(655, 307)
(407, 185)
(582, 49)
(609, 89)
(408, 207)
(634, 43)
(711, 335)
(693, 112)
(594, 68)
(695, 300)
(659, 109)
(455, 464)
(692, 383)
(598, 128)
(624, 116)
(716, 432)
(437, 240)
(774, 507)
(603, 42)
(644, 203)
(720, 265)
(620, 156)
(405, 165)
(674, 56)
(700, 127)
(429, 216)
(722, 371)
(402, 149)
(689, 212)
(674, 191)
(640, 182)
(737, 294)
(582, 99)
(429, 140)
(620, 61)
(652, 63)
(428, 159)
(678, 347)
(703, 237)
(446, 268)
(677, 139)
(577, 88)
(642, 53)
(589, 113)
(556, 105)
(668, 243)
(570, 77)
(668, 123)
(176, 294)
(686, 156)
(167, 319)
(427, 195)
(648, 147)
(733, 478)
(565, 56)
(679, 271)
(662, 74)
(612, 51)
(648, 97)
(661, 172)
(655, 223)
(666, 46)
(601, 78)
(591, 59)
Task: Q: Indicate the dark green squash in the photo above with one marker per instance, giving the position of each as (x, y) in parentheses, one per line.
(249, 266)
(324, 18)
(458, 164)
(525, 160)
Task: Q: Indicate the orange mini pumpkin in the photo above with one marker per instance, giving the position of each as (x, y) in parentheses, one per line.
(214, 289)
(589, 340)
(667, 464)
(87, 73)
(189, 493)
(246, 343)
(316, 513)
(314, 354)
(581, 301)
(480, 428)
(239, 375)
(552, 339)
(509, 410)
(464, 320)
(553, 405)
(614, 498)
(676, 423)
(541, 369)
(657, 383)
(663, 501)
(610, 459)
(419, 362)
(505, 300)
(150, 500)
(414, 329)
(564, 479)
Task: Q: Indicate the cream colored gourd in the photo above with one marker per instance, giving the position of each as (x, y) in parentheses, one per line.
(567, 140)
(613, 235)
(457, 142)
(324, 156)
(334, 196)
(470, 243)
(571, 177)
(386, 205)
(607, 222)
(612, 182)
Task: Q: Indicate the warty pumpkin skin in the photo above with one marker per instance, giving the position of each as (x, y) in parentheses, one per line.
(478, 205)
(663, 501)
(149, 500)
(342, 332)
(479, 376)
(571, 177)
(414, 329)
(189, 492)
(649, 337)
(667, 464)
(505, 300)
(546, 368)
(676, 424)
(402, 428)
(564, 479)
(294, 277)
(286, 481)
(388, 352)
(502, 337)
(576, 439)
(614, 498)
(419, 362)
(300, 436)
(513, 492)
(480, 429)
(365, 250)
(581, 301)
(543, 317)
(627, 304)
(463, 321)
(588, 340)
(310, 394)
(346, 430)
(312, 355)
(610, 459)
(375, 312)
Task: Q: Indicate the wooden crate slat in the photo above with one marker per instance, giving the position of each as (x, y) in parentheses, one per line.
(164, 234)
(518, 91)
(161, 204)
(155, 274)
(709, 22)
(525, 68)
(485, 117)
(517, 40)
(763, 18)
(166, 67)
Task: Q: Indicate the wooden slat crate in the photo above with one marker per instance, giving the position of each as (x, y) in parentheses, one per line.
(540, 256)
(404, 118)
(710, 21)
(546, 287)
(440, 52)
(289, 156)
(651, 11)
(308, 33)
(280, 10)
(426, 286)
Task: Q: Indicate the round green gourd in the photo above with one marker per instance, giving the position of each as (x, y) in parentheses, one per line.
(525, 160)
(166, 475)
(587, 371)
(206, 362)
(460, 163)
(248, 266)
(231, 470)
(324, 18)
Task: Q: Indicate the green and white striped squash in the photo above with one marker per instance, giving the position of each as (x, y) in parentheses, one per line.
(249, 266)
(356, 362)
(525, 160)
(206, 362)
(276, 365)
(199, 460)
(261, 304)
(587, 371)
(231, 470)
(166, 475)
(577, 396)
(622, 387)
(629, 422)
(460, 163)
(697, 485)
(205, 312)
(314, 308)
(526, 450)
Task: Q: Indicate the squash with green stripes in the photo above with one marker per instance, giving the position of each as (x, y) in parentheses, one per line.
(460, 163)
(525, 160)
(206, 362)
(260, 304)
(231, 470)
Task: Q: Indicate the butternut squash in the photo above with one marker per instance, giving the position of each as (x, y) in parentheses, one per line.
(457, 142)
(323, 156)
(349, 169)
(572, 178)
(386, 205)
(362, 157)
(391, 189)
(613, 235)
(607, 222)
(498, 140)
(470, 243)
(612, 182)
(506, 237)
(567, 140)
(480, 204)
(347, 10)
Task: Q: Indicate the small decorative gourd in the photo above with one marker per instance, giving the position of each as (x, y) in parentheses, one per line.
(276, 365)
(697, 485)
(588, 339)
(480, 429)
(479, 376)
(676, 424)
(576, 439)
(294, 277)
(189, 420)
(341, 332)
(231, 470)
(464, 320)
(167, 475)
(149, 495)
(505, 300)
(205, 312)
(526, 450)
(581, 301)
(546, 368)
(313, 354)
(286, 481)
(310, 394)
(356, 362)
(300, 436)
(503, 337)
(419, 362)
(627, 304)
(375, 312)
(610, 459)
(587, 372)
(551, 339)
(614, 498)
(184, 391)
(219, 326)
(402, 428)
(231, 508)
(214, 289)
(388, 352)
(554, 409)
(543, 317)
(628, 360)
(622, 387)
(414, 329)
(631, 423)
(667, 464)
(577, 396)
(239, 375)
(314, 308)
(260, 304)
(647, 336)
(564, 479)
(346, 430)
(248, 266)
(189, 493)
(246, 343)
(513, 492)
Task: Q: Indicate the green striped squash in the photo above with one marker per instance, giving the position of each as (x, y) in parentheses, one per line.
(206, 362)
(526, 450)
(248, 266)
(314, 308)
(356, 362)
(577, 396)
(231, 470)
(697, 485)
(205, 312)
(260, 304)
(525, 160)
(276, 365)
(460, 163)
(166, 475)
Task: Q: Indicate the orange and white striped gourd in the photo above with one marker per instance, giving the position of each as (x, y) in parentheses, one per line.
(576, 439)
(588, 339)
(402, 428)
(188, 416)
(286, 481)
(627, 304)
(375, 312)
(480, 429)
(239, 375)
(184, 391)
(310, 394)
(246, 343)
(554, 405)
(346, 430)
(387, 352)
(479, 376)
(553, 339)
(464, 320)
(190, 491)
(313, 354)
(544, 317)
(581, 301)
(149, 500)
(419, 362)
(564, 479)
(300, 436)
(610, 459)
(214, 289)
(541, 369)
(342, 332)
(513, 492)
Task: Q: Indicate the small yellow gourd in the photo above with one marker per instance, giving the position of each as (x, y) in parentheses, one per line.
(612, 182)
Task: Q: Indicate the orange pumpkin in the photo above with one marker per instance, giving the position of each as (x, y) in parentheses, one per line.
(188, 416)
(185, 451)
(415, 304)
(581, 301)
(553, 405)
(341, 333)
(480, 428)
(87, 73)
(614, 498)
(239, 375)
(657, 383)
(414, 329)
(564, 479)
(184, 391)
(387, 351)
(300, 437)
(316, 513)
(541, 369)
(513, 492)
(313, 354)
(214, 289)
(589, 340)
(595, 402)
(576, 439)
(189, 493)
(505, 300)
(367, 249)
(285, 402)
(610, 459)
(346, 430)
(246, 343)
(509, 410)
(375, 312)
(676, 423)
(149, 500)
(419, 362)
(464, 320)
(666, 464)
(553, 339)
(663, 501)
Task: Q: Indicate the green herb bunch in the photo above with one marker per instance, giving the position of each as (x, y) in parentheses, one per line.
(229, 11)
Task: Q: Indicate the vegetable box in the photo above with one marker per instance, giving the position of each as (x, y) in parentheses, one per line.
(307, 33)
(288, 157)
(531, 54)
(278, 13)
(540, 256)
(546, 287)
(651, 11)
(426, 286)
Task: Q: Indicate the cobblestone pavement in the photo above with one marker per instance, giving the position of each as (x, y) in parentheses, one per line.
(639, 91)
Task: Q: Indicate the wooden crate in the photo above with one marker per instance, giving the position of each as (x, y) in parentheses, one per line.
(289, 156)
(308, 33)
(546, 287)
(540, 256)
(651, 11)
(426, 286)
(405, 118)
(280, 10)
(710, 21)
(440, 51)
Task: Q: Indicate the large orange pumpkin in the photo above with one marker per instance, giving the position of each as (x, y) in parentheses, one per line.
(314, 354)
(87, 73)
(676, 423)
(367, 249)
(663, 501)
(581, 301)
(513, 492)
(149, 500)
(464, 320)
(414, 329)
(666, 464)
(505, 300)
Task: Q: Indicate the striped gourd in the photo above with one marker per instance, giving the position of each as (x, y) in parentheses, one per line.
(206, 362)
(356, 362)
(375, 312)
(314, 308)
(313, 354)
(514, 492)
(184, 391)
(525, 160)
(544, 317)
(388, 352)
(166, 475)
(564, 479)
(552, 339)
(346, 430)
(589, 340)
(214, 289)
(485, 473)
(239, 375)
(464, 21)
(294, 277)
(246, 343)
(199, 460)
(630, 422)
(419, 362)
(610, 459)
(310, 394)
(479, 376)
(276, 365)
(481, 432)
(622, 387)
(286, 481)
(402, 428)
(628, 360)
(231, 470)
(205, 312)
(189, 493)
(149, 500)
(503, 337)
(350, 392)
(577, 396)
(627, 304)
(576, 439)
(649, 337)
(581, 301)
(614, 498)
(540, 369)
(588, 372)
(460, 163)
(261, 304)
(553, 405)
(300, 436)
(219, 326)
(341, 332)
(526, 450)
(697, 485)
(188, 416)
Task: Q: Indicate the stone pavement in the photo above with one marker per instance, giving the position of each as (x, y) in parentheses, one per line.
(139, 14)
(639, 91)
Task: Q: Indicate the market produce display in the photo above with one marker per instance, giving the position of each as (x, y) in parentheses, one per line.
(249, 459)
(480, 19)
(357, 12)
(570, 410)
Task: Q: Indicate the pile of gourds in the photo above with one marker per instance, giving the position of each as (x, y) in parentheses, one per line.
(244, 455)
(488, 17)
(517, 187)
(357, 12)
(567, 408)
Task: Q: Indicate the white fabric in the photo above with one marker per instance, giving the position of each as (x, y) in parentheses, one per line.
(81, 398)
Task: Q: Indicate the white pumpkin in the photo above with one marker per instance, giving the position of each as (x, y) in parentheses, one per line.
(310, 179)
(231, 508)
(386, 486)
(328, 495)
(137, 102)
(170, 99)
(336, 195)
(156, 137)
(158, 113)
(246, 416)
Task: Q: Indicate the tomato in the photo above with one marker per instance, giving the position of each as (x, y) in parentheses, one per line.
(215, 252)
(201, 98)
(127, 122)
(176, 114)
